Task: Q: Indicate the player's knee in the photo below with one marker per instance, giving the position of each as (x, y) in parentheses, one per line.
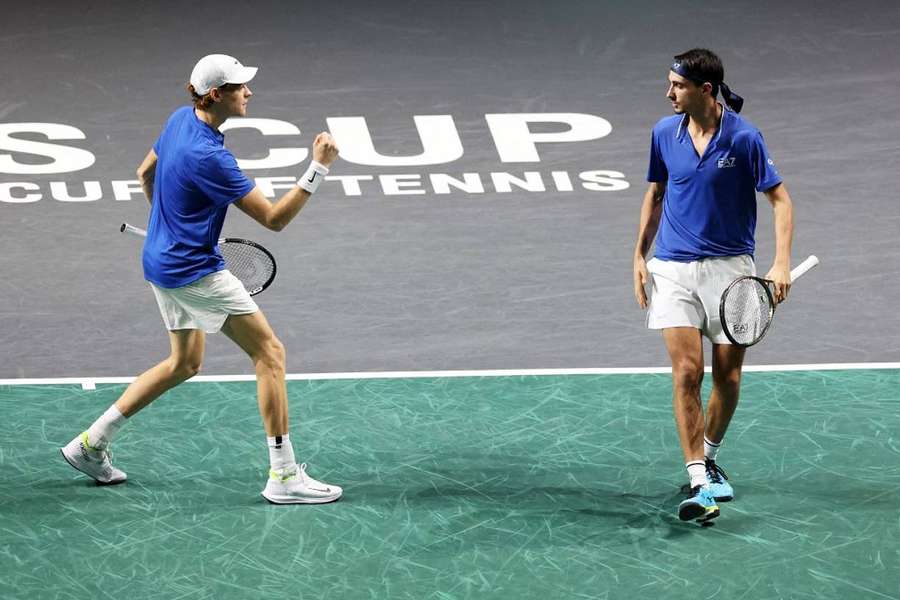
(272, 354)
(687, 374)
(185, 367)
(728, 379)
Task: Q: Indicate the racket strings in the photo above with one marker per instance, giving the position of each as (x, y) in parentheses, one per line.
(248, 263)
(747, 311)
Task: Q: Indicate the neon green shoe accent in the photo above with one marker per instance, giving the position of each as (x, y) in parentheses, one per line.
(84, 440)
(273, 474)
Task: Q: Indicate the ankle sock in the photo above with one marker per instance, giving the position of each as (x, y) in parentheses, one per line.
(104, 429)
(697, 472)
(281, 453)
(711, 449)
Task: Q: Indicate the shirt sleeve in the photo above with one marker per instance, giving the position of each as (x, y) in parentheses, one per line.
(657, 170)
(162, 134)
(158, 143)
(220, 179)
(764, 172)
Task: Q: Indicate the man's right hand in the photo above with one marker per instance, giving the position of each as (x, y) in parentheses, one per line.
(325, 150)
(641, 276)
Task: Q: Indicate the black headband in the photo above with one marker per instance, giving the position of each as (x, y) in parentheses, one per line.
(732, 100)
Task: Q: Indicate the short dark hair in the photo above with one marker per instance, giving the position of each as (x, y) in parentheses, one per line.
(205, 101)
(704, 66)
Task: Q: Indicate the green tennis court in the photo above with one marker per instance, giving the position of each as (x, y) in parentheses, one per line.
(471, 487)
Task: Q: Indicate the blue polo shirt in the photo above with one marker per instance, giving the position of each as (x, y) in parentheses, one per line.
(196, 179)
(710, 203)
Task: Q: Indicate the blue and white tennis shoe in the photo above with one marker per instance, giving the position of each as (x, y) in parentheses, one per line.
(699, 505)
(718, 482)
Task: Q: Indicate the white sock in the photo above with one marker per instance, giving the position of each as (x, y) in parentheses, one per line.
(281, 452)
(104, 429)
(697, 472)
(711, 449)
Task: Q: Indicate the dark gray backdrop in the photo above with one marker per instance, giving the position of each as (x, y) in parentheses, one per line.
(459, 281)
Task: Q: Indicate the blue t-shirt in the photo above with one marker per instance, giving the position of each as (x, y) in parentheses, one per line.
(196, 179)
(710, 203)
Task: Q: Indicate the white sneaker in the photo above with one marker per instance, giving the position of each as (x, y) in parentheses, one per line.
(91, 461)
(296, 487)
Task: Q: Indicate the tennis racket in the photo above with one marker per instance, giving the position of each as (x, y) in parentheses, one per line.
(747, 307)
(252, 264)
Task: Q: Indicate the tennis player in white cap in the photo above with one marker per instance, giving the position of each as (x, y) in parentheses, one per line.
(190, 179)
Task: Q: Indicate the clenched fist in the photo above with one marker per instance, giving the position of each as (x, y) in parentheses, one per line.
(325, 150)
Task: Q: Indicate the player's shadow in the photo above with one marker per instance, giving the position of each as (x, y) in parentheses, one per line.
(197, 493)
(512, 487)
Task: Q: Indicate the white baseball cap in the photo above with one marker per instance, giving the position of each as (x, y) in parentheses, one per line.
(214, 70)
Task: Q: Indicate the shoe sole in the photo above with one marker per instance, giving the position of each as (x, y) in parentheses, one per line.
(696, 512)
(292, 500)
(709, 517)
(77, 468)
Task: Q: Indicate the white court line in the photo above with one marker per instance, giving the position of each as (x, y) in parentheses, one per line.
(90, 383)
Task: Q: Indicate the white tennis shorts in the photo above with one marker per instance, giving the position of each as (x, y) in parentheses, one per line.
(687, 294)
(205, 303)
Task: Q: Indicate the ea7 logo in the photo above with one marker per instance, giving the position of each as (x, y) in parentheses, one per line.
(724, 163)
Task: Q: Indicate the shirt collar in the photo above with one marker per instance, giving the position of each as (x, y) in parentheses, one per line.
(682, 126)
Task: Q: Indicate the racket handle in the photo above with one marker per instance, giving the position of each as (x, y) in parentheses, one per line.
(803, 267)
(126, 228)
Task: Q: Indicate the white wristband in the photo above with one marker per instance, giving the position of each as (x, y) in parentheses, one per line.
(314, 175)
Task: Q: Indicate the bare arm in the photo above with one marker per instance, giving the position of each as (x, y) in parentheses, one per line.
(780, 272)
(276, 215)
(146, 174)
(651, 210)
(273, 215)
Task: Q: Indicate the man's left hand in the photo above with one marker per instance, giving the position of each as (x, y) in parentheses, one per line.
(781, 275)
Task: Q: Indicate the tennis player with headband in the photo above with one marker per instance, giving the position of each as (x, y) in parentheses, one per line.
(190, 179)
(706, 165)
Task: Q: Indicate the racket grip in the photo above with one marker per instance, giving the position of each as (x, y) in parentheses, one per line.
(803, 267)
(126, 228)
